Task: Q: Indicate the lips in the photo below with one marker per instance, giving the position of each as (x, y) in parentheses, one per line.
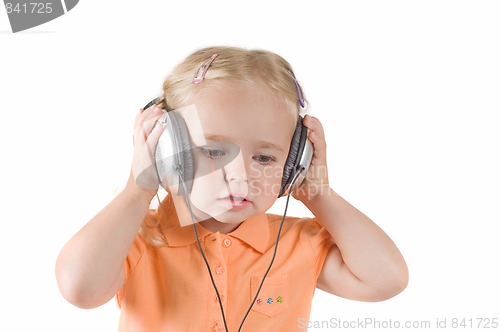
(234, 202)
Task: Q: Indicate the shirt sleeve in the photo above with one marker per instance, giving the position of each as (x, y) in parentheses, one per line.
(321, 242)
(134, 255)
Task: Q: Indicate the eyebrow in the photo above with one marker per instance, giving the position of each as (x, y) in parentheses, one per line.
(260, 144)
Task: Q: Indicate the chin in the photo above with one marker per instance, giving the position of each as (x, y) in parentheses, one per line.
(231, 217)
(229, 212)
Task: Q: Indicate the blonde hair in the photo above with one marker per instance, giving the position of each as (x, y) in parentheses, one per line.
(231, 64)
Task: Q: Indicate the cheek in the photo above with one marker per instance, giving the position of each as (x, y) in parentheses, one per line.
(207, 186)
(206, 189)
(266, 180)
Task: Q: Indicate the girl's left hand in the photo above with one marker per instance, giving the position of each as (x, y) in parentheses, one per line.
(316, 180)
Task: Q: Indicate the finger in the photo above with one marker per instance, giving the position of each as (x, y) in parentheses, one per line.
(145, 123)
(144, 160)
(317, 137)
(144, 115)
(316, 133)
(319, 145)
(142, 110)
(313, 124)
(149, 123)
(153, 137)
(137, 117)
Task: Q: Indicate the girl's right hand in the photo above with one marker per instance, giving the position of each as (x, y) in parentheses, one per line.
(146, 135)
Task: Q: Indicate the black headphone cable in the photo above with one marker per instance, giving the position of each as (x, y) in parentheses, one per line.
(188, 203)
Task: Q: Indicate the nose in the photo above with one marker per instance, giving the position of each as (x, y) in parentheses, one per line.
(235, 171)
(235, 177)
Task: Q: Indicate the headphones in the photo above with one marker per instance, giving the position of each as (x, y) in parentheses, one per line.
(174, 157)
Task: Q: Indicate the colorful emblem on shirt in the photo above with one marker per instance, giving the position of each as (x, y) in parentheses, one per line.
(279, 299)
(259, 301)
(270, 300)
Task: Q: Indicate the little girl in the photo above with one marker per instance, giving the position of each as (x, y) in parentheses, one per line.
(234, 268)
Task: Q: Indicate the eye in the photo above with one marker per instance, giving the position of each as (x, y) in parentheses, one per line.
(212, 153)
(263, 159)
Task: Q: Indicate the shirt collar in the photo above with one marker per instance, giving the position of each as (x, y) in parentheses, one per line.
(254, 231)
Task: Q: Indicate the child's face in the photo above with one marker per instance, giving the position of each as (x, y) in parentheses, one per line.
(247, 132)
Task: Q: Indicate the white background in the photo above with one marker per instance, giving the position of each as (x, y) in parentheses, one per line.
(408, 93)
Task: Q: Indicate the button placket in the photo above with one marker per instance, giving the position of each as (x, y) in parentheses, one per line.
(217, 326)
(216, 299)
(219, 269)
(216, 256)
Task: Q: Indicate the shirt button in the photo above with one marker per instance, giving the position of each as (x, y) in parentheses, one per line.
(227, 243)
(219, 270)
(216, 327)
(216, 299)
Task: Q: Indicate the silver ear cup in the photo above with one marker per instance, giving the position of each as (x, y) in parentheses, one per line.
(298, 160)
(173, 155)
(184, 153)
(305, 161)
(166, 154)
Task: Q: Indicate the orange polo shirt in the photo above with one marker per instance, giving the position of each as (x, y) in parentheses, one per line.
(169, 289)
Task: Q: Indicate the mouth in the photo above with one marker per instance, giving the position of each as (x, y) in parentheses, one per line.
(234, 202)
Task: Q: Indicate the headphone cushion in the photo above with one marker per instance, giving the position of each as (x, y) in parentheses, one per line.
(294, 155)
